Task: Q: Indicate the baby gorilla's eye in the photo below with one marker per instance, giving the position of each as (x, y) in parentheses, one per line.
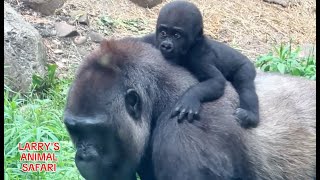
(177, 35)
(163, 33)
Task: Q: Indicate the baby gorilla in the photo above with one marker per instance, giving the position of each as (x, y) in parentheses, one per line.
(179, 36)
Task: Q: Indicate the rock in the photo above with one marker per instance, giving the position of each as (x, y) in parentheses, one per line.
(46, 7)
(60, 64)
(81, 31)
(147, 3)
(83, 19)
(65, 30)
(283, 3)
(64, 60)
(55, 44)
(24, 51)
(83, 51)
(71, 21)
(79, 16)
(95, 37)
(45, 30)
(80, 40)
(58, 51)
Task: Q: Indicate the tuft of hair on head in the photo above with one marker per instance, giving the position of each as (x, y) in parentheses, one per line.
(107, 57)
(101, 65)
(112, 54)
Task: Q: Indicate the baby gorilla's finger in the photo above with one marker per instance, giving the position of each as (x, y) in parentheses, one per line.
(175, 112)
(190, 116)
(182, 115)
(196, 115)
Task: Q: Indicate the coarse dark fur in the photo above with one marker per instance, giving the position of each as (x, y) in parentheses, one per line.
(116, 115)
(179, 36)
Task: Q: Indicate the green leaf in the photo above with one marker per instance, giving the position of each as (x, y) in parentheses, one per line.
(265, 67)
(295, 72)
(39, 134)
(36, 80)
(51, 71)
(264, 59)
(6, 176)
(281, 68)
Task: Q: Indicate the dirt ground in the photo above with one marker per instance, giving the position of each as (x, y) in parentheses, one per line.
(251, 26)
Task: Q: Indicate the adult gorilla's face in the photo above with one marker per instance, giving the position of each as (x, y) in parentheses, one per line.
(108, 113)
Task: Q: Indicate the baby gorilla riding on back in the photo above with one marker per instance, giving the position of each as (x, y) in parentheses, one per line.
(179, 36)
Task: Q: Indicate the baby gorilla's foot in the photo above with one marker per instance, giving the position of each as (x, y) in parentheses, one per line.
(246, 118)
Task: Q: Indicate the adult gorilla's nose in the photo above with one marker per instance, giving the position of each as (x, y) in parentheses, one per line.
(166, 46)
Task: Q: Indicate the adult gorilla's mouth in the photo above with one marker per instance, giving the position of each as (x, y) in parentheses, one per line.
(95, 170)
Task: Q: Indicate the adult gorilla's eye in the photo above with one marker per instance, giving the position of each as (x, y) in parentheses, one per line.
(133, 103)
(177, 35)
(163, 33)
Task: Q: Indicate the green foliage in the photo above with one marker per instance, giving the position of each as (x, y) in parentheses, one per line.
(37, 117)
(44, 84)
(133, 25)
(27, 118)
(108, 25)
(287, 61)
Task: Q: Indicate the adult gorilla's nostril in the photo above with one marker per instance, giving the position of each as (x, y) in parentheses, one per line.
(87, 153)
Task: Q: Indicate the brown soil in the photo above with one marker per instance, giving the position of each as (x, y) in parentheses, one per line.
(251, 26)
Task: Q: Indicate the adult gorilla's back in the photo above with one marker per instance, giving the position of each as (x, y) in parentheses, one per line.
(285, 141)
(283, 146)
(118, 116)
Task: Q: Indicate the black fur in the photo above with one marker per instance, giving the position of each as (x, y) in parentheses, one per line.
(179, 36)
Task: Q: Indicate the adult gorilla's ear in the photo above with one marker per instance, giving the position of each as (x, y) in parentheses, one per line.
(133, 103)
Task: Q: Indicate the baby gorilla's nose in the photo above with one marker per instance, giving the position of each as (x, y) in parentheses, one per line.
(166, 46)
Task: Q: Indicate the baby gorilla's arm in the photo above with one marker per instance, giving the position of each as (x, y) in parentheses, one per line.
(210, 89)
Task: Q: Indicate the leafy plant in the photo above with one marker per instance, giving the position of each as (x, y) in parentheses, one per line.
(106, 24)
(30, 119)
(285, 60)
(43, 84)
(133, 25)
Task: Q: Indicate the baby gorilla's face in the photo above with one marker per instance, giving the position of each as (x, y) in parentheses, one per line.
(172, 41)
(179, 24)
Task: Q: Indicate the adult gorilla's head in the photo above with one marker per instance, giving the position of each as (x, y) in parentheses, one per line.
(179, 25)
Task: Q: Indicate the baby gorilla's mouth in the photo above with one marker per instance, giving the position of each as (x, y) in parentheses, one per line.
(168, 55)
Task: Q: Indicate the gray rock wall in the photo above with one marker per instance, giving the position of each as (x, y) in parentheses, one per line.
(24, 51)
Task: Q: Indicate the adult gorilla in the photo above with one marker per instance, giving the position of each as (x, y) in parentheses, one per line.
(117, 117)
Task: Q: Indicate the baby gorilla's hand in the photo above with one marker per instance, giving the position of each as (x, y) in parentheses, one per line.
(188, 107)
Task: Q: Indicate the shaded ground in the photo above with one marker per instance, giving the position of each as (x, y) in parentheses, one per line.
(251, 26)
